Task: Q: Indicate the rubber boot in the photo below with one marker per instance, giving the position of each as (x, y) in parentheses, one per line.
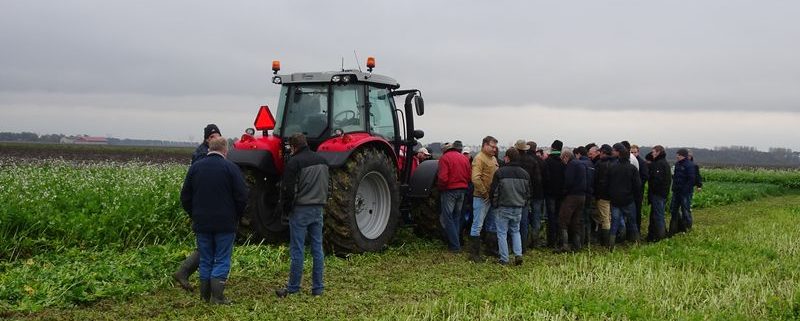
(188, 266)
(564, 242)
(218, 292)
(205, 290)
(660, 234)
(534, 239)
(577, 243)
(604, 237)
(475, 249)
(611, 240)
(491, 244)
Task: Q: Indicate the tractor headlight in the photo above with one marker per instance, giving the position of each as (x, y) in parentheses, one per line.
(276, 80)
(336, 78)
(346, 78)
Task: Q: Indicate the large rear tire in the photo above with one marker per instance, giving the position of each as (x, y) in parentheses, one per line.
(260, 221)
(363, 212)
(425, 214)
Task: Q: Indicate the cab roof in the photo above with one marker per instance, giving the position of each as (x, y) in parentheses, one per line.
(325, 76)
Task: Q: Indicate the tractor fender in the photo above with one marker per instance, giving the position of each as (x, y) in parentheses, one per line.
(337, 150)
(423, 179)
(255, 158)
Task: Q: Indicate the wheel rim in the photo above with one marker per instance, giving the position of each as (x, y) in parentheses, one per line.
(373, 205)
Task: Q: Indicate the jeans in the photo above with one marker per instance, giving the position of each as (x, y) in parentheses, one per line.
(507, 219)
(302, 220)
(537, 208)
(624, 218)
(679, 209)
(524, 224)
(215, 254)
(452, 201)
(657, 223)
(480, 209)
(687, 210)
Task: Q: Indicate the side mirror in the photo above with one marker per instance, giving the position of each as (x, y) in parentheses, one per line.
(418, 133)
(419, 103)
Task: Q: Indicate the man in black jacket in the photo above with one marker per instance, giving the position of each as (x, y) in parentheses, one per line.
(623, 186)
(304, 192)
(537, 199)
(554, 191)
(215, 195)
(603, 200)
(660, 178)
(644, 173)
(192, 262)
(527, 161)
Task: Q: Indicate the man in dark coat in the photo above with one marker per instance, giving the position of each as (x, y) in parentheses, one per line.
(623, 186)
(644, 173)
(537, 208)
(660, 178)
(304, 193)
(683, 180)
(192, 262)
(570, 214)
(554, 191)
(603, 201)
(214, 195)
(528, 162)
(510, 192)
(589, 204)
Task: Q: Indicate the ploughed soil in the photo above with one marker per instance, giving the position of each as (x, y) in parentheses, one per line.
(25, 152)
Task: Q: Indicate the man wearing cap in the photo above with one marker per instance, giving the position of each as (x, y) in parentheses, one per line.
(452, 179)
(554, 191)
(537, 194)
(483, 167)
(192, 262)
(422, 155)
(528, 162)
(683, 180)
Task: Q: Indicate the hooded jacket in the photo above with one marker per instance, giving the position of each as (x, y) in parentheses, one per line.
(305, 180)
(660, 177)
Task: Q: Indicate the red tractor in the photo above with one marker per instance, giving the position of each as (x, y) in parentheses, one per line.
(348, 117)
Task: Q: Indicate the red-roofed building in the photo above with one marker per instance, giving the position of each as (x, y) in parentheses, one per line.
(91, 140)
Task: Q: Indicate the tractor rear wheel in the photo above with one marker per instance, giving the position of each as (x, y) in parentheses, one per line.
(260, 221)
(425, 214)
(363, 212)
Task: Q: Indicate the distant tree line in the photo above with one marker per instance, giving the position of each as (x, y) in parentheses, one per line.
(745, 156)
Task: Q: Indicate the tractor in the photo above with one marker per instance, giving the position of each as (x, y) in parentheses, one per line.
(349, 117)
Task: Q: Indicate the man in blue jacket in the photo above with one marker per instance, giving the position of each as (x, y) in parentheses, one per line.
(192, 262)
(683, 180)
(570, 213)
(215, 195)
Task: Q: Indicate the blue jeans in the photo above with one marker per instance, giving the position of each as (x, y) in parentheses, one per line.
(215, 254)
(657, 207)
(451, 202)
(480, 209)
(537, 208)
(507, 219)
(302, 220)
(624, 218)
(687, 210)
(679, 210)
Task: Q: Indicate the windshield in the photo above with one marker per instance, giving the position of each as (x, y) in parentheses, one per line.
(306, 110)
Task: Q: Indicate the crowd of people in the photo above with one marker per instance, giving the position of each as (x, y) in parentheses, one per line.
(590, 194)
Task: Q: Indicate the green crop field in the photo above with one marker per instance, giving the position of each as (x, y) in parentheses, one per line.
(98, 240)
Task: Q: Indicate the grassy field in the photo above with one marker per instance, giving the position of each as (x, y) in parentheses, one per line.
(78, 242)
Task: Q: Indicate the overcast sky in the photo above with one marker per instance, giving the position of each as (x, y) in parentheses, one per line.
(677, 73)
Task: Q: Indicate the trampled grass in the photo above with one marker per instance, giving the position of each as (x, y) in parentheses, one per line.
(740, 263)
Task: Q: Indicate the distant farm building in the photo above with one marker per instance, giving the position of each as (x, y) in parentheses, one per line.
(87, 140)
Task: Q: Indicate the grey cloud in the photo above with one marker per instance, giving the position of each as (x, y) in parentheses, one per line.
(653, 55)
